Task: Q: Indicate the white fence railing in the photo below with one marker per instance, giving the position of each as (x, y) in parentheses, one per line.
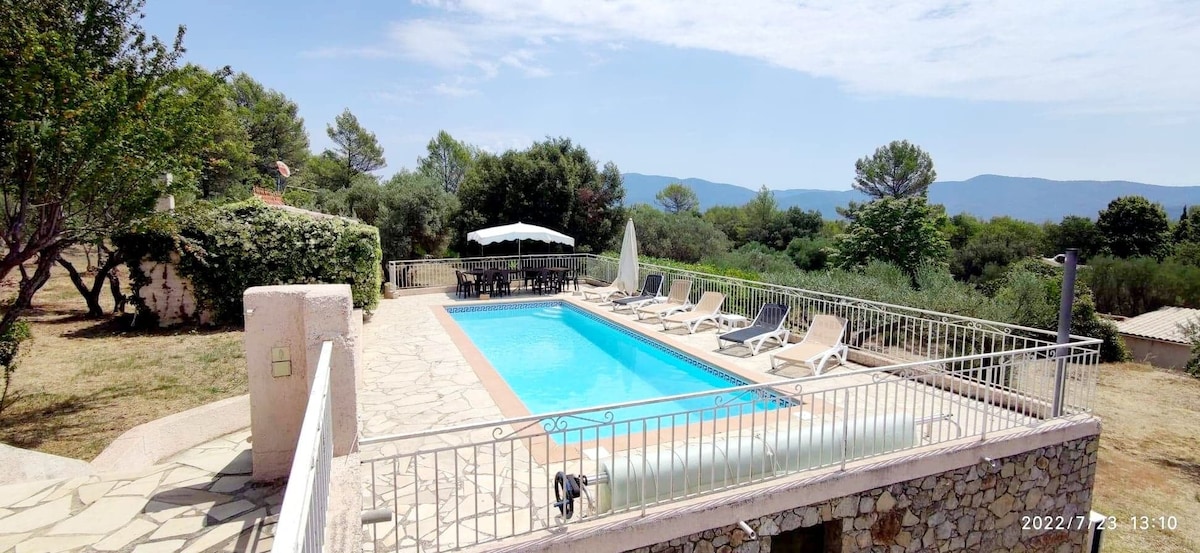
(301, 526)
(894, 333)
(468, 485)
(426, 273)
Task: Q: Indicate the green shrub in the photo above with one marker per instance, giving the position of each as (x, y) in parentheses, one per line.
(10, 348)
(226, 249)
(810, 254)
(1139, 285)
(1191, 330)
(753, 257)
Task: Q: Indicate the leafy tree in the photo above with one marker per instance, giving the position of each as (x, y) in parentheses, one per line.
(811, 253)
(730, 220)
(1191, 330)
(448, 161)
(759, 215)
(554, 184)
(898, 170)
(227, 152)
(356, 151)
(274, 126)
(901, 231)
(1139, 285)
(93, 112)
(1187, 230)
(752, 257)
(1132, 226)
(678, 198)
(1073, 232)
(791, 224)
(962, 228)
(677, 236)
(998, 243)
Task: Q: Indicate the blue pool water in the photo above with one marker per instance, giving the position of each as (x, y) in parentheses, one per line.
(557, 357)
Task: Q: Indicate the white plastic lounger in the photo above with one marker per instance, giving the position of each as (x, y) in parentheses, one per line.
(606, 293)
(822, 343)
(768, 325)
(677, 300)
(707, 309)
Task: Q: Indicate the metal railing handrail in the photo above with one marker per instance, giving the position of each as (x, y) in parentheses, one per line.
(855, 301)
(297, 531)
(490, 257)
(879, 306)
(722, 391)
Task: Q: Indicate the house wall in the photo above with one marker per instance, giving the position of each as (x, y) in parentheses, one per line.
(169, 296)
(1167, 355)
(973, 508)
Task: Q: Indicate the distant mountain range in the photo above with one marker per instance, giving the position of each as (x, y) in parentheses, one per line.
(985, 196)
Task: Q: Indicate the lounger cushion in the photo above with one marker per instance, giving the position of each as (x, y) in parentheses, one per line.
(631, 299)
(740, 336)
(801, 353)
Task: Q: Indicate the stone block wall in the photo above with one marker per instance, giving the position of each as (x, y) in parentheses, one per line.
(974, 508)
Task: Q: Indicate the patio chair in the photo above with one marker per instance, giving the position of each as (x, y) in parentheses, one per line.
(677, 300)
(464, 286)
(606, 293)
(542, 283)
(500, 283)
(822, 342)
(707, 309)
(485, 282)
(767, 325)
(571, 276)
(649, 293)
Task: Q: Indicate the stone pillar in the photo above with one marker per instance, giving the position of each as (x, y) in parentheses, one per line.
(292, 322)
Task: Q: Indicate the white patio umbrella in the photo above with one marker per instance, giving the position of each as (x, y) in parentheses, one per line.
(518, 232)
(627, 268)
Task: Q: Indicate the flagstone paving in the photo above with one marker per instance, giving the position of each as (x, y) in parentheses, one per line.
(198, 501)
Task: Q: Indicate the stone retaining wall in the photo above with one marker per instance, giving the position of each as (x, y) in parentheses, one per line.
(975, 508)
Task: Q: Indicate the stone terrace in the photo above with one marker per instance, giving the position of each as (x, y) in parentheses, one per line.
(199, 501)
(416, 379)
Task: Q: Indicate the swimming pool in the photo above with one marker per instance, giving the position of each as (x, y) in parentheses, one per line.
(558, 357)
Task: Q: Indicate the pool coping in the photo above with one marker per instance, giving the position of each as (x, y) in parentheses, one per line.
(546, 451)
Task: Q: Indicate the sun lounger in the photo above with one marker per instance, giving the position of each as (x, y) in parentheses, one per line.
(707, 309)
(650, 291)
(606, 293)
(822, 342)
(677, 300)
(767, 325)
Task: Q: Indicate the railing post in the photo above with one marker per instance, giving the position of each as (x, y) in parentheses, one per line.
(1064, 329)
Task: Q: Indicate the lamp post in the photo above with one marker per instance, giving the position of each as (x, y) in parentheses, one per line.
(1066, 302)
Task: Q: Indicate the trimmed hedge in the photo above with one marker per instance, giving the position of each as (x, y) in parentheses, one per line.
(226, 249)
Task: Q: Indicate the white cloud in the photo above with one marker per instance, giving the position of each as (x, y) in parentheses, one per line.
(454, 91)
(1129, 56)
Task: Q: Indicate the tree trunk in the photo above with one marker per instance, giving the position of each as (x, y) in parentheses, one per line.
(91, 296)
(104, 273)
(114, 285)
(29, 287)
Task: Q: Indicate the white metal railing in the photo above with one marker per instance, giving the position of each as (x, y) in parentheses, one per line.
(426, 273)
(472, 484)
(894, 333)
(301, 526)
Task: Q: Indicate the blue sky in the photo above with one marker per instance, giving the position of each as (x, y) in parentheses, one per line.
(751, 92)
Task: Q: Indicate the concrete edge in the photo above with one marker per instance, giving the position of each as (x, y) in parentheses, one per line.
(27, 465)
(630, 531)
(344, 530)
(145, 445)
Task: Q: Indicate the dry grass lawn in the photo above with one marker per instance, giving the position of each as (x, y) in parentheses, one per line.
(81, 382)
(1149, 456)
